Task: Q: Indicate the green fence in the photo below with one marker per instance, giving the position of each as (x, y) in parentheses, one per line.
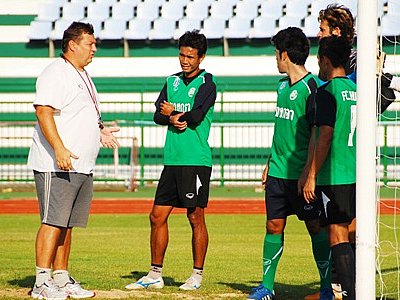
(240, 138)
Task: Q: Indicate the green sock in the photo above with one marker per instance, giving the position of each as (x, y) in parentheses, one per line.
(322, 257)
(273, 248)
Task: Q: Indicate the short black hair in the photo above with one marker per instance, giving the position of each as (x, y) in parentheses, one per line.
(294, 42)
(74, 33)
(336, 49)
(195, 40)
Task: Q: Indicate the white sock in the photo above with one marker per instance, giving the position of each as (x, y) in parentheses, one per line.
(197, 274)
(155, 272)
(395, 83)
(61, 277)
(42, 274)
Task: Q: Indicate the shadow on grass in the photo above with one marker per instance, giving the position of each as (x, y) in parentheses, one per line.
(26, 282)
(284, 291)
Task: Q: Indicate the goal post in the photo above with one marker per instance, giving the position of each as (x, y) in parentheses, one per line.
(366, 150)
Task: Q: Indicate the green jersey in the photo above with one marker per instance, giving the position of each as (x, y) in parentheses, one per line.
(196, 97)
(336, 107)
(294, 116)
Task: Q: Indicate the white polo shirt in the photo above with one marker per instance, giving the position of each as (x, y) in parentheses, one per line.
(75, 115)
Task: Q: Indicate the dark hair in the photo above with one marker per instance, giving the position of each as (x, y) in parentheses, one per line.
(341, 17)
(74, 33)
(294, 42)
(336, 49)
(195, 40)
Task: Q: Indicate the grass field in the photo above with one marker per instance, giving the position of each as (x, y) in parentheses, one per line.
(113, 246)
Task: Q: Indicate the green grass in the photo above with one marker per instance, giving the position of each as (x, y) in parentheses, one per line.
(104, 255)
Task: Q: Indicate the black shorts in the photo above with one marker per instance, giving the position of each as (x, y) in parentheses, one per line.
(337, 203)
(282, 200)
(183, 186)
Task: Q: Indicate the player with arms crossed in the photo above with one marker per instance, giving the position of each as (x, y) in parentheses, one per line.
(290, 150)
(185, 105)
(333, 166)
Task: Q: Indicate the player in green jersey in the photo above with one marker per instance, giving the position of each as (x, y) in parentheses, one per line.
(185, 105)
(291, 145)
(333, 166)
(338, 20)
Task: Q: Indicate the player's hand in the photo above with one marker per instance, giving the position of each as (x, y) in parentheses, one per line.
(174, 120)
(166, 108)
(63, 158)
(302, 181)
(107, 139)
(265, 176)
(309, 190)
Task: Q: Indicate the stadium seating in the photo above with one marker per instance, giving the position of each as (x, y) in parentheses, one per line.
(113, 29)
(243, 18)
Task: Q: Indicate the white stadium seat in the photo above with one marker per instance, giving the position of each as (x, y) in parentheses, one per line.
(213, 28)
(59, 27)
(221, 10)
(148, 10)
(197, 10)
(138, 29)
(82, 2)
(49, 12)
(318, 5)
(73, 11)
(113, 29)
(96, 23)
(173, 11)
(296, 8)
(134, 2)
(289, 21)
(40, 30)
(246, 9)
(208, 2)
(100, 11)
(163, 29)
(393, 7)
(123, 10)
(263, 27)
(311, 26)
(390, 25)
(237, 28)
(186, 24)
(271, 9)
(108, 2)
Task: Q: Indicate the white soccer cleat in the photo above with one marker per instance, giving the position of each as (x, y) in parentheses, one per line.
(190, 285)
(74, 290)
(146, 283)
(48, 291)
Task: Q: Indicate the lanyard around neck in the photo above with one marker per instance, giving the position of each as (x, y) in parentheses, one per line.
(91, 91)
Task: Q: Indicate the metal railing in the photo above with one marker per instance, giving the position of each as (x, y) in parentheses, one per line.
(240, 138)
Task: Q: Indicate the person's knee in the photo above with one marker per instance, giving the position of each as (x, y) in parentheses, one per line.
(196, 218)
(275, 226)
(156, 219)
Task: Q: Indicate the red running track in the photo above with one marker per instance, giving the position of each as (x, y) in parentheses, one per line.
(143, 206)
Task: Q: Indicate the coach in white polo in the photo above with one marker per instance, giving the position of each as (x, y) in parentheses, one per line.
(66, 143)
